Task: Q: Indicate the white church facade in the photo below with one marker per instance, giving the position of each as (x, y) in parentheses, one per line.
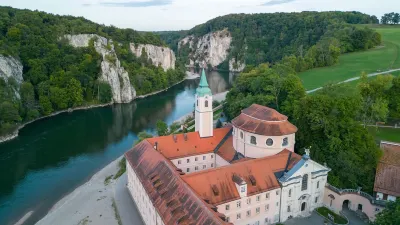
(244, 173)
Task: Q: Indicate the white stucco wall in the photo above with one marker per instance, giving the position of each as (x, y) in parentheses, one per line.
(261, 149)
(268, 209)
(146, 209)
(220, 161)
(201, 162)
(204, 116)
(312, 196)
(379, 196)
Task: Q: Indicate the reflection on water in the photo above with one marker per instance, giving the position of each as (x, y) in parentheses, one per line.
(53, 156)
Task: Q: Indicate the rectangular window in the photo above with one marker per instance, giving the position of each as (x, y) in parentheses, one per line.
(267, 196)
(204, 166)
(195, 159)
(290, 193)
(277, 192)
(179, 161)
(316, 199)
(227, 207)
(188, 160)
(212, 164)
(187, 170)
(204, 158)
(277, 203)
(248, 201)
(288, 208)
(212, 156)
(258, 198)
(266, 207)
(238, 216)
(196, 168)
(242, 189)
(248, 213)
(227, 219)
(258, 210)
(238, 204)
(318, 184)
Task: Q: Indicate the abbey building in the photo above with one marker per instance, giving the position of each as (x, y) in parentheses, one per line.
(244, 173)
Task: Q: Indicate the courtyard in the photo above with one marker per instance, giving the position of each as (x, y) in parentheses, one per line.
(316, 219)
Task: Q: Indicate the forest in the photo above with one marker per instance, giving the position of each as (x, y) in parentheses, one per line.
(58, 76)
(268, 37)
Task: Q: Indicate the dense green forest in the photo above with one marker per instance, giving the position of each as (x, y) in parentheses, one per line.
(58, 76)
(268, 37)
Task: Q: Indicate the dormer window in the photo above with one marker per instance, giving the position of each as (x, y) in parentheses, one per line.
(285, 142)
(253, 140)
(243, 189)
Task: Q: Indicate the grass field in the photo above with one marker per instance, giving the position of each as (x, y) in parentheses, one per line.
(385, 134)
(350, 65)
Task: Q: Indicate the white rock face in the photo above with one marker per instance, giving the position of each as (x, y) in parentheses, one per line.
(236, 66)
(159, 55)
(211, 48)
(111, 72)
(11, 68)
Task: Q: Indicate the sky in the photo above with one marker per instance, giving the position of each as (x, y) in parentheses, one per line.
(158, 15)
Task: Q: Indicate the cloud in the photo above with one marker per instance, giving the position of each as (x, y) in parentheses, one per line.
(276, 2)
(136, 4)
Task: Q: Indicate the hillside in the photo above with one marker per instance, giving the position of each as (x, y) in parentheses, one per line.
(50, 63)
(233, 41)
(381, 58)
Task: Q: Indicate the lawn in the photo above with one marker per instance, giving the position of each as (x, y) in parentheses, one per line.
(385, 134)
(337, 218)
(351, 65)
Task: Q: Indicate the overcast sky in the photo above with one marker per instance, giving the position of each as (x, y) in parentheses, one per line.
(156, 15)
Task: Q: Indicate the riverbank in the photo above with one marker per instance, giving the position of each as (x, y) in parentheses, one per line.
(92, 202)
(13, 135)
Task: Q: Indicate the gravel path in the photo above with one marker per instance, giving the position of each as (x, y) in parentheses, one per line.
(357, 78)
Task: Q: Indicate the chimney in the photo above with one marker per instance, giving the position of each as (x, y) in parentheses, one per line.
(156, 145)
(175, 138)
(185, 136)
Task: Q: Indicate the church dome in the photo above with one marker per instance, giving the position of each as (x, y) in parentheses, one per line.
(264, 121)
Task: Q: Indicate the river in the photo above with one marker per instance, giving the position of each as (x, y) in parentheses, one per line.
(53, 156)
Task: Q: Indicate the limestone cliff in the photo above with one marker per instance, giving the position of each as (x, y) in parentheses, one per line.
(159, 55)
(111, 70)
(11, 68)
(211, 49)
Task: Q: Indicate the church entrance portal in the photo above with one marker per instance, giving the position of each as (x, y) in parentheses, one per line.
(303, 206)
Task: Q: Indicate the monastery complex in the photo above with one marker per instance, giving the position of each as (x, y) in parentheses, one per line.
(244, 173)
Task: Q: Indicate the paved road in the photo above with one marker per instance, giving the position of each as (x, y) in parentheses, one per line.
(126, 206)
(357, 78)
(316, 219)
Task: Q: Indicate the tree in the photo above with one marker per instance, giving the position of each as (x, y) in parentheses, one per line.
(141, 136)
(390, 215)
(394, 98)
(45, 105)
(9, 113)
(162, 128)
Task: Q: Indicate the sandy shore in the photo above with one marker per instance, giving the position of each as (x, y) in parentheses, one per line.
(90, 203)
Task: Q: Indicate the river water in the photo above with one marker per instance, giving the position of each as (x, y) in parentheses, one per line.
(53, 156)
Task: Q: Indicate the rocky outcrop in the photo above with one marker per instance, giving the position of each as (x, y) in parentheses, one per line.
(160, 56)
(11, 68)
(111, 70)
(236, 66)
(211, 49)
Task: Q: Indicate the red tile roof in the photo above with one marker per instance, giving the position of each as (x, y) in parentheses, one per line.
(265, 121)
(194, 145)
(205, 183)
(387, 179)
(226, 150)
(173, 199)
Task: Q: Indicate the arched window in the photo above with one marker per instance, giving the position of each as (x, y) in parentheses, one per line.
(269, 142)
(253, 140)
(290, 192)
(285, 141)
(241, 134)
(206, 103)
(304, 182)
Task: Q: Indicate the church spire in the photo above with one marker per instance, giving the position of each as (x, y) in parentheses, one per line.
(203, 88)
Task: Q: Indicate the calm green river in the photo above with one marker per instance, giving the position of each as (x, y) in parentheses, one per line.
(52, 157)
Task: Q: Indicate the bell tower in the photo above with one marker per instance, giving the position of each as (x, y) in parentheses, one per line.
(204, 121)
